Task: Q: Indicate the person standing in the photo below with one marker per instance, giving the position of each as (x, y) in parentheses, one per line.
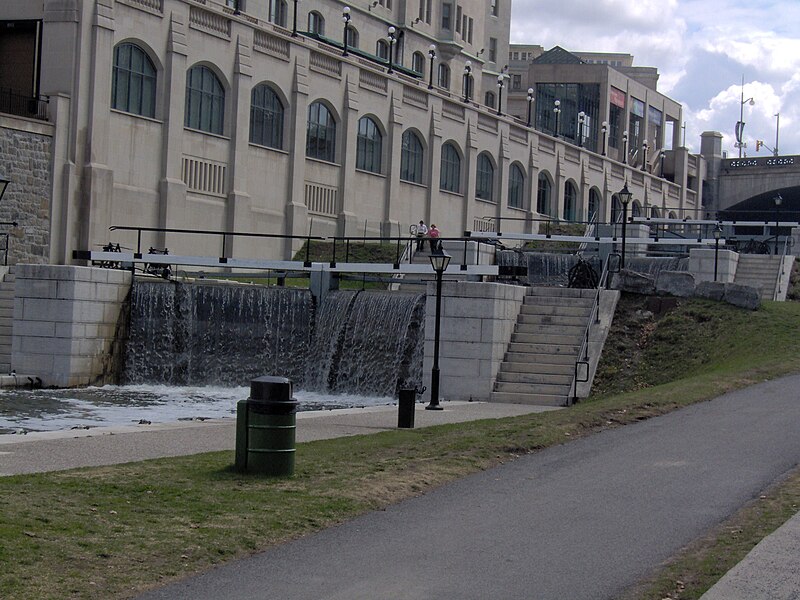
(422, 231)
(433, 234)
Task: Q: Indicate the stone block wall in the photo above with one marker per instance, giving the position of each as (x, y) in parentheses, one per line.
(701, 264)
(477, 320)
(66, 323)
(25, 158)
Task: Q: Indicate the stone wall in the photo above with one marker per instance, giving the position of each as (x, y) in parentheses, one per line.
(66, 323)
(25, 159)
(702, 261)
(477, 320)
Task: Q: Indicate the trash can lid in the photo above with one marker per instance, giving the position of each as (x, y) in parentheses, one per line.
(271, 388)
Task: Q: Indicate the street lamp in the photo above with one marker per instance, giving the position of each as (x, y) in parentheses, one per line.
(581, 122)
(294, 22)
(604, 129)
(778, 201)
(530, 105)
(500, 95)
(467, 76)
(663, 156)
(717, 234)
(346, 20)
(432, 55)
(644, 155)
(625, 147)
(740, 124)
(625, 197)
(557, 111)
(439, 263)
(392, 42)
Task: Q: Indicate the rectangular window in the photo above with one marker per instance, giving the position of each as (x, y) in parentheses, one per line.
(428, 11)
(615, 116)
(458, 19)
(471, 23)
(464, 27)
(447, 10)
(493, 50)
(516, 82)
(493, 6)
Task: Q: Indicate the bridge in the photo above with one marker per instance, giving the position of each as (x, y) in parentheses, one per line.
(747, 188)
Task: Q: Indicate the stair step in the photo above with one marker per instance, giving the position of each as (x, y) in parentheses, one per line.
(527, 310)
(547, 338)
(561, 320)
(551, 329)
(528, 388)
(556, 301)
(559, 292)
(538, 367)
(543, 348)
(536, 379)
(543, 357)
(531, 399)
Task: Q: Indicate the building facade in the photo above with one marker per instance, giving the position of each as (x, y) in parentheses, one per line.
(290, 119)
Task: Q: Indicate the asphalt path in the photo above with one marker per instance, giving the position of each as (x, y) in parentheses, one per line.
(583, 520)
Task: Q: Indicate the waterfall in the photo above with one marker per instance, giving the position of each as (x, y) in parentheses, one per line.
(366, 343)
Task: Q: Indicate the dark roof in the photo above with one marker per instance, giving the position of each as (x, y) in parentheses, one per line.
(557, 56)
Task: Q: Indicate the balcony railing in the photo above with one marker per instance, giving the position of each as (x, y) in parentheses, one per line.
(21, 105)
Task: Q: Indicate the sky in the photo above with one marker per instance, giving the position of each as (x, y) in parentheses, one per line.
(702, 49)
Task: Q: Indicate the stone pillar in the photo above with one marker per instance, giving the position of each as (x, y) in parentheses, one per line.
(394, 142)
(296, 212)
(434, 160)
(348, 219)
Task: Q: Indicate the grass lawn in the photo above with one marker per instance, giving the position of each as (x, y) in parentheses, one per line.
(109, 532)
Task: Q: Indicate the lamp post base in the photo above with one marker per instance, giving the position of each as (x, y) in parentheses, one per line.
(433, 406)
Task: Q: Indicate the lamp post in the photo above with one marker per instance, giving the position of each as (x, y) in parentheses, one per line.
(740, 124)
(604, 129)
(557, 111)
(346, 20)
(530, 105)
(644, 155)
(625, 197)
(431, 55)
(625, 147)
(778, 201)
(499, 95)
(467, 77)
(581, 123)
(392, 42)
(294, 22)
(663, 156)
(717, 234)
(439, 263)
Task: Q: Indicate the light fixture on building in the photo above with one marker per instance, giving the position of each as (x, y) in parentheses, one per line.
(604, 129)
(581, 124)
(392, 42)
(499, 95)
(625, 147)
(467, 81)
(644, 155)
(346, 20)
(530, 105)
(557, 111)
(431, 55)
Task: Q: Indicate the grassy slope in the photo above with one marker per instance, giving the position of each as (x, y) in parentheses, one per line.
(108, 532)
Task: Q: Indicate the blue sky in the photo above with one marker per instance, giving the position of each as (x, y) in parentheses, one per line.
(702, 48)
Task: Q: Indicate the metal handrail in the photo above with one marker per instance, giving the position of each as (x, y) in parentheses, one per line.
(594, 318)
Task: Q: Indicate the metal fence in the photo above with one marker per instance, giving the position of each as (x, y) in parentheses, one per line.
(22, 105)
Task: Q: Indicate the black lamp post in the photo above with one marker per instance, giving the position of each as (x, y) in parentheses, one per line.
(778, 201)
(644, 155)
(581, 123)
(346, 20)
(624, 147)
(467, 78)
(499, 95)
(557, 111)
(294, 22)
(717, 234)
(625, 197)
(431, 55)
(604, 129)
(439, 263)
(392, 42)
(530, 105)
(663, 156)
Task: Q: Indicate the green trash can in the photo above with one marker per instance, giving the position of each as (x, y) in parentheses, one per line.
(265, 428)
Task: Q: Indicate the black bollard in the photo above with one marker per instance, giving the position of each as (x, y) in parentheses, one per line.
(405, 413)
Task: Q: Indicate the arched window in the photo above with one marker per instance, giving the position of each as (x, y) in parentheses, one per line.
(616, 209)
(654, 214)
(352, 37)
(133, 81)
(484, 185)
(516, 186)
(636, 209)
(594, 204)
(543, 195)
(277, 12)
(321, 133)
(411, 157)
(444, 76)
(570, 200)
(369, 146)
(450, 178)
(418, 62)
(316, 23)
(205, 100)
(266, 117)
(489, 99)
(382, 50)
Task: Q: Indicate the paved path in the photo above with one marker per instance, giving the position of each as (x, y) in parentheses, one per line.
(580, 521)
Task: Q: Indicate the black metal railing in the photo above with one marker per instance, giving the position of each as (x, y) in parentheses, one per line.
(22, 105)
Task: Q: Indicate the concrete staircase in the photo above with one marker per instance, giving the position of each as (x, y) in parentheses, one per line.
(760, 271)
(6, 319)
(539, 365)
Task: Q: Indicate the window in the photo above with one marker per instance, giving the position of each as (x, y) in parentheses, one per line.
(484, 185)
(418, 62)
(493, 8)
(543, 195)
(277, 12)
(266, 117)
(316, 23)
(352, 37)
(411, 156)
(636, 209)
(492, 49)
(458, 19)
(428, 11)
(489, 99)
(570, 200)
(594, 205)
(133, 81)
(382, 50)
(469, 37)
(616, 210)
(447, 14)
(516, 82)
(321, 133)
(369, 146)
(450, 178)
(516, 186)
(205, 100)
(444, 76)
(464, 27)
